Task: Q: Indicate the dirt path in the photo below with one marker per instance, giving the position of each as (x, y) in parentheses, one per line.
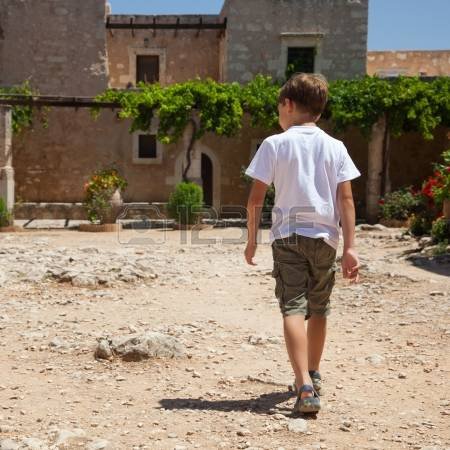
(385, 367)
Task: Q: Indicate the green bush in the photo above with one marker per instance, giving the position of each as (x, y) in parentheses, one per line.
(420, 225)
(6, 217)
(185, 203)
(399, 204)
(440, 230)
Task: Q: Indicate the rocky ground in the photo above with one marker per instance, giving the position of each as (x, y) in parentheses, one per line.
(221, 374)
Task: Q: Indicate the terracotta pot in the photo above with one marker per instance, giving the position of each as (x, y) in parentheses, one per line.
(116, 203)
(446, 208)
(100, 228)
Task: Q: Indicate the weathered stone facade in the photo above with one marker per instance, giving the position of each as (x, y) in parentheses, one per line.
(64, 47)
(410, 63)
(260, 31)
(60, 46)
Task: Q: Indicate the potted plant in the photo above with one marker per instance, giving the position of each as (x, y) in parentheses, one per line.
(103, 200)
(185, 204)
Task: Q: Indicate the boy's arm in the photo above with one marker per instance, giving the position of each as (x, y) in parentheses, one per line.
(254, 208)
(350, 262)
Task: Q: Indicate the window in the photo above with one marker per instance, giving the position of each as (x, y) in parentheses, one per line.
(147, 68)
(147, 146)
(300, 59)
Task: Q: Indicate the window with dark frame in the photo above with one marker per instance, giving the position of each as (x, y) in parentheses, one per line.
(147, 68)
(147, 146)
(300, 59)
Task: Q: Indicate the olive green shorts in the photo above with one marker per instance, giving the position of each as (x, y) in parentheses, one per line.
(304, 269)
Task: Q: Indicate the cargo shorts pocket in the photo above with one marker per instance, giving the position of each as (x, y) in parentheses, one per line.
(276, 273)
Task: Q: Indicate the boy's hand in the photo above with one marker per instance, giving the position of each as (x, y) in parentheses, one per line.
(350, 265)
(249, 253)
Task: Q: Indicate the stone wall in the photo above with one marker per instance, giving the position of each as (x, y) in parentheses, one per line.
(184, 54)
(74, 146)
(425, 63)
(60, 46)
(259, 32)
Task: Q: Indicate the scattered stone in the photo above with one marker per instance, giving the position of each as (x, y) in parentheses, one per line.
(375, 359)
(298, 425)
(263, 340)
(138, 347)
(9, 444)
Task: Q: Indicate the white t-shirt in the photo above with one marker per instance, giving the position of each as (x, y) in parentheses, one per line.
(305, 164)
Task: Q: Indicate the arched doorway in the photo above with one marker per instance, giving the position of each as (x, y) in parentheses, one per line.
(207, 174)
(205, 170)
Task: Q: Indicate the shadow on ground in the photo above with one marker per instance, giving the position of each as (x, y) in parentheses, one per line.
(266, 404)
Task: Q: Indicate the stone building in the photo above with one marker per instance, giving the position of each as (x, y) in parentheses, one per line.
(432, 63)
(73, 48)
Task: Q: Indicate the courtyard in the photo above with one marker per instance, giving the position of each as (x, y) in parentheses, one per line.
(64, 291)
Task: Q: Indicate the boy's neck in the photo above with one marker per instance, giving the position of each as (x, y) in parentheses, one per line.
(303, 120)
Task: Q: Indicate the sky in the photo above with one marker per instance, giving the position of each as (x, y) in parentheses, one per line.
(393, 24)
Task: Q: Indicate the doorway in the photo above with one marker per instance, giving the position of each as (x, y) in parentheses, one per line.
(207, 180)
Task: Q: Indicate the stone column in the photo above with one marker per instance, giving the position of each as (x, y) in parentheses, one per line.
(6, 169)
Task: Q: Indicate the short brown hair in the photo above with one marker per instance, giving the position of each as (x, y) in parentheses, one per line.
(308, 91)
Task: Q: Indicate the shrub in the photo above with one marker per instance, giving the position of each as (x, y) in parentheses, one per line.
(420, 225)
(399, 204)
(6, 217)
(440, 230)
(185, 203)
(99, 189)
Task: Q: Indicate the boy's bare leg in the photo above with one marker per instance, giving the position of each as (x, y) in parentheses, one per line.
(317, 331)
(297, 348)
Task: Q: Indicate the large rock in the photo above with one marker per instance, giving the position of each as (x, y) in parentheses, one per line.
(137, 347)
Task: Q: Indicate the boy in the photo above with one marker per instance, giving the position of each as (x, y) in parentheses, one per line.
(311, 172)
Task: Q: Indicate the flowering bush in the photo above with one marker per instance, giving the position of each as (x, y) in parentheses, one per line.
(440, 184)
(98, 192)
(400, 204)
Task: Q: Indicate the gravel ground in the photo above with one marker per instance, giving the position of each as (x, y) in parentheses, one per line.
(385, 366)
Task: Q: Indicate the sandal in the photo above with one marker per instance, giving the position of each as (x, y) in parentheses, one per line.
(308, 404)
(316, 380)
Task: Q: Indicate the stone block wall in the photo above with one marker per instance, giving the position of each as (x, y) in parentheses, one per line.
(183, 54)
(260, 31)
(60, 46)
(411, 63)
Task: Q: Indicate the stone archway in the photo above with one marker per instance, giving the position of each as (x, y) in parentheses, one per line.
(195, 172)
(6, 167)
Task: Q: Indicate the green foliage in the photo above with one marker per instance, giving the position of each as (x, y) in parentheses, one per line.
(410, 104)
(185, 203)
(441, 248)
(98, 192)
(399, 204)
(6, 217)
(440, 230)
(259, 98)
(441, 189)
(420, 224)
(218, 106)
(22, 116)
